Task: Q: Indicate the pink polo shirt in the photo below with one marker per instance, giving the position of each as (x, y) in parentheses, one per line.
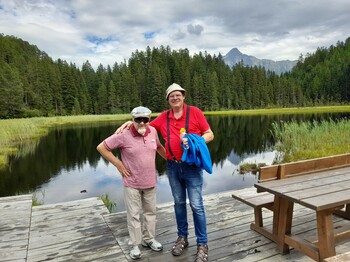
(138, 155)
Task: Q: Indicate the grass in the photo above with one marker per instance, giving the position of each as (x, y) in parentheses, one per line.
(284, 111)
(306, 140)
(15, 131)
(110, 204)
(250, 168)
(36, 201)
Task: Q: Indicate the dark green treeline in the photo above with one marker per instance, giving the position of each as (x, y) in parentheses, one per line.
(32, 84)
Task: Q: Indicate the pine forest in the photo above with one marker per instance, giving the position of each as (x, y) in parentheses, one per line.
(32, 84)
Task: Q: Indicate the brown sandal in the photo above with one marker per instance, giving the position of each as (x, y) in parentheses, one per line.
(179, 247)
(202, 253)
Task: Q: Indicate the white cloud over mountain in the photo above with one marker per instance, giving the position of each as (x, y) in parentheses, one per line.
(108, 31)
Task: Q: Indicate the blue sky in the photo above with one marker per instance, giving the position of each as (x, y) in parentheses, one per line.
(108, 31)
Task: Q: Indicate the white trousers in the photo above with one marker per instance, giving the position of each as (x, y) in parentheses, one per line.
(141, 214)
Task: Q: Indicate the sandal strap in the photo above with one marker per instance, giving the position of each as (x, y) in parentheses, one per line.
(202, 253)
(180, 244)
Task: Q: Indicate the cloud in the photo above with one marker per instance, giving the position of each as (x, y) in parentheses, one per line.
(195, 29)
(109, 31)
(179, 35)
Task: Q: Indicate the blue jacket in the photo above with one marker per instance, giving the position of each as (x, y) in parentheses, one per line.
(197, 152)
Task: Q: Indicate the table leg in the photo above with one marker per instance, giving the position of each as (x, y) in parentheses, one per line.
(276, 213)
(344, 213)
(326, 243)
(284, 224)
(347, 211)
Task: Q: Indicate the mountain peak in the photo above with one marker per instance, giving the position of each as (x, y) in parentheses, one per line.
(234, 51)
(234, 56)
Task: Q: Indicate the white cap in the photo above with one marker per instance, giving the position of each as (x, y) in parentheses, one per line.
(174, 87)
(141, 111)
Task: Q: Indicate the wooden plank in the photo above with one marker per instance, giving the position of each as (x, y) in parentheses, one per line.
(284, 224)
(317, 164)
(303, 167)
(257, 200)
(324, 202)
(112, 254)
(303, 246)
(318, 195)
(341, 233)
(326, 176)
(74, 231)
(71, 206)
(71, 247)
(318, 190)
(227, 227)
(14, 227)
(339, 258)
(84, 237)
(18, 198)
(325, 232)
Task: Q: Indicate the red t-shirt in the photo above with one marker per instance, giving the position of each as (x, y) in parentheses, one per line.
(197, 124)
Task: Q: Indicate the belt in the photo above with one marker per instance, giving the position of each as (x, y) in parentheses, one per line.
(181, 162)
(177, 161)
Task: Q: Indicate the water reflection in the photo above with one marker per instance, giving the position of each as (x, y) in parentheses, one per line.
(66, 161)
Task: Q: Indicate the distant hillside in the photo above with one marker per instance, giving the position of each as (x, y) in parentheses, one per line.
(235, 56)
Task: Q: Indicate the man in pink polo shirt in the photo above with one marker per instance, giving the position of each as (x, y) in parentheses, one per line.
(138, 147)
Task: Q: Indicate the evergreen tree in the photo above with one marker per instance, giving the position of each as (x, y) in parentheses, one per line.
(76, 110)
(68, 87)
(40, 86)
(11, 98)
(113, 100)
(155, 92)
(89, 76)
(102, 99)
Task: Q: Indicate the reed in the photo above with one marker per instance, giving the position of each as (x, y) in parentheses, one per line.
(35, 199)
(306, 140)
(109, 203)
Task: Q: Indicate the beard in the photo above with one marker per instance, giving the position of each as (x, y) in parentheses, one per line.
(141, 131)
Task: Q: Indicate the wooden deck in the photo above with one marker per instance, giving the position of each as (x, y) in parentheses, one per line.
(85, 231)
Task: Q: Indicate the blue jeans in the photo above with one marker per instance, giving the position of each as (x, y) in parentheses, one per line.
(182, 178)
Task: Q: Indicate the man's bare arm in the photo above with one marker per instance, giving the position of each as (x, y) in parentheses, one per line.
(208, 136)
(115, 161)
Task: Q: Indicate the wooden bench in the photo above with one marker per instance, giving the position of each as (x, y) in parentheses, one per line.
(262, 200)
(339, 258)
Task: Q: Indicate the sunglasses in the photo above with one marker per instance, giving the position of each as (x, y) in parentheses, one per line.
(141, 119)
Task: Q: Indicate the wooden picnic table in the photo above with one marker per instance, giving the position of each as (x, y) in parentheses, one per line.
(326, 192)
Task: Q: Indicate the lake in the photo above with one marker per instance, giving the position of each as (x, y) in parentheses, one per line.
(65, 163)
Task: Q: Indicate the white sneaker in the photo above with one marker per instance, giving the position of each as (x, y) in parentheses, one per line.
(135, 252)
(153, 244)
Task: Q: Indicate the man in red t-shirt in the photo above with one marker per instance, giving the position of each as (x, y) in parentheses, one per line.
(138, 147)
